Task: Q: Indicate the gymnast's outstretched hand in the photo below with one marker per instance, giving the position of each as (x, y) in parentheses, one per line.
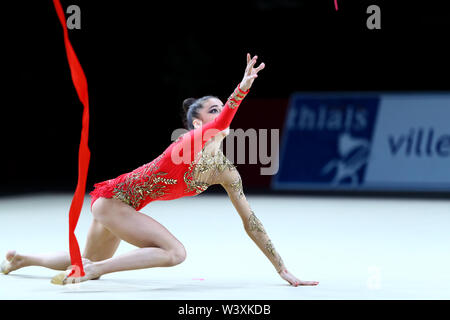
(286, 275)
(250, 72)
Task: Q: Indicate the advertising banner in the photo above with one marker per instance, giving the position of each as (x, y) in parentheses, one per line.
(357, 141)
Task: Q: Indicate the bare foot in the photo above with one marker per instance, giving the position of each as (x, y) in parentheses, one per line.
(91, 272)
(13, 262)
(286, 275)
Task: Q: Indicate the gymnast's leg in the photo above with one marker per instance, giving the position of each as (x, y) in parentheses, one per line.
(101, 244)
(157, 247)
(54, 260)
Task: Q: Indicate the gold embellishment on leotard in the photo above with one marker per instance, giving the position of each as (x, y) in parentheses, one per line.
(269, 247)
(232, 104)
(254, 223)
(256, 228)
(142, 184)
(280, 264)
(237, 186)
(165, 180)
(235, 98)
(237, 95)
(205, 163)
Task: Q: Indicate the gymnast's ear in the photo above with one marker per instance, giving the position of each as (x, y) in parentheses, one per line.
(197, 123)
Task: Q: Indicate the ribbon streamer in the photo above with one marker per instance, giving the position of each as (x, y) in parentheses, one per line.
(80, 83)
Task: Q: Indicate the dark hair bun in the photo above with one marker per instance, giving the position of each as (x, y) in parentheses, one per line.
(187, 103)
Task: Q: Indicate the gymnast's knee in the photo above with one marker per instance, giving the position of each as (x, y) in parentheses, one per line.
(177, 255)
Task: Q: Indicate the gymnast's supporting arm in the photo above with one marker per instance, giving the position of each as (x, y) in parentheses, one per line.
(258, 234)
(232, 183)
(252, 225)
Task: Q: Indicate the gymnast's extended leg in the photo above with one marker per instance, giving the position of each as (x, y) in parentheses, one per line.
(157, 247)
(101, 244)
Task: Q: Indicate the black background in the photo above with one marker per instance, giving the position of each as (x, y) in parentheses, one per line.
(143, 58)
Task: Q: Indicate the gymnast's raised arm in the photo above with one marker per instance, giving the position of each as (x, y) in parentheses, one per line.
(223, 120)
(197, 122)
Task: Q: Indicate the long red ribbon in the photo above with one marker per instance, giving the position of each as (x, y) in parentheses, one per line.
(80, 83)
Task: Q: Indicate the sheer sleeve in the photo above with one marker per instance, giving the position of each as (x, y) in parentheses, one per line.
(232, 183)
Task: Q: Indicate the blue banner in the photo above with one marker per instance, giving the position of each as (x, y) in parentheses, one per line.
(354, 141)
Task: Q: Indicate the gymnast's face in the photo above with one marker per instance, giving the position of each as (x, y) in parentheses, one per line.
(210, 110)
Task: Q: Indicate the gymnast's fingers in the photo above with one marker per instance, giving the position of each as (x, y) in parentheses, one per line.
(249, 61)
(260, 67)
(251, 64)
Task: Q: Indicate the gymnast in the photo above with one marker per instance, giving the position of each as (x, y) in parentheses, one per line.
(187, 167)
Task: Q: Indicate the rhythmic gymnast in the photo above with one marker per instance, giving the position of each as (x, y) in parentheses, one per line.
(187, 167)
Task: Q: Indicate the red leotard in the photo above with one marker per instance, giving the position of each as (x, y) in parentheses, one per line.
(169, 176)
